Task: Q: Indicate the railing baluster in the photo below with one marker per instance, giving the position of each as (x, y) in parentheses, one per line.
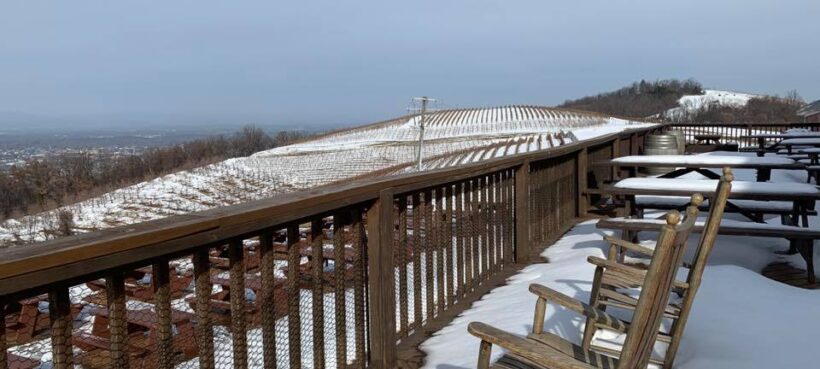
(204, 329)
(509, 231)
(266, 301)
(461, 283)
(542, 197)
(418, 209)
(401, 251)
(359, 270)
(117, 319)
(429, 246)
(475, 256)
(553, 197)
(339, 289)
(4, 361)
(236, 259)
(160, 273)
(495, 216)
(317, 245)
(449, 199)
(486, 252)
(294, 321)
(495, 252)
(537, 218)
(440, 234)
(59, 308)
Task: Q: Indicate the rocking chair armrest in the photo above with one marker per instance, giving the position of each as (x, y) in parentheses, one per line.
(631, 246)
(528, 349)
(579, 307)
(635, 275)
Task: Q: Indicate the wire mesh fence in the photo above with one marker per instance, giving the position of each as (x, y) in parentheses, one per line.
(291, 297)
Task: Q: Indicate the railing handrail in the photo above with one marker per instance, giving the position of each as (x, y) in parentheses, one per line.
(744, 124)
(78, 256)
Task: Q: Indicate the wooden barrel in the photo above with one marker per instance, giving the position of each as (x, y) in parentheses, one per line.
(660, 145)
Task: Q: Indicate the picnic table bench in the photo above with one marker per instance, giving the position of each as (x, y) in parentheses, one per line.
(701, 163)
(708, 138)
(759, 208)
(778, 137)
(801, 238)
(220, 305)
(26, 319)
(801, 195)
(19, 362)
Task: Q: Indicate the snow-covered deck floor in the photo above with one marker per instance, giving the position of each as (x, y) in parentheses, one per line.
(740, 318)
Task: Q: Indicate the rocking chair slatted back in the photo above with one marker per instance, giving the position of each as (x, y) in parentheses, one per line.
(717, 205)
(654, 295)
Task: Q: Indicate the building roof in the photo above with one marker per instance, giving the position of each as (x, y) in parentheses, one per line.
(809, 109)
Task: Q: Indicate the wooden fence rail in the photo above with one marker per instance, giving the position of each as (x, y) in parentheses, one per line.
(338, 276)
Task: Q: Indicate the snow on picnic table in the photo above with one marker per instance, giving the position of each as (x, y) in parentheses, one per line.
(800, 141)
(708, 186)
(740, 319)
(704, 160)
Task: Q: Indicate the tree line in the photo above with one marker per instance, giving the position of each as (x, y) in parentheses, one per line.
(653, 98)
(641, 99)
(43, 184)
(767, 109)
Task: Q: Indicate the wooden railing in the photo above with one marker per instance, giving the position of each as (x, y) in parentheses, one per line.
(390, 260)
(735, 132)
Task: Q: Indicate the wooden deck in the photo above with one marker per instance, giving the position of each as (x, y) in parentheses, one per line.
(788, 274)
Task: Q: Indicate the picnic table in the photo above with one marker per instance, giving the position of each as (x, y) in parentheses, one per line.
(143, 331)
(779, 137)
(801, 195)
(789, 143)
(701, 163)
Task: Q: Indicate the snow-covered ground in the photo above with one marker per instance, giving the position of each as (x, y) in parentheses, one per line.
(386, 147)
(740, 318)
(692, 103)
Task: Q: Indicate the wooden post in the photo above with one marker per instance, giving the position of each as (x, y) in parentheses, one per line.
(581, 168)
(616, 152)
(316, 240)
(59, 309)
(380, 279)
(266, 301)
(522, 213)
(204, 328)
(294, 295)
(4, 364)
(339, 311)
(239, 337)
(117, 319)
(162, 291)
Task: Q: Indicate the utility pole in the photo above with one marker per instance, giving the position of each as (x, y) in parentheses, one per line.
(420, 148)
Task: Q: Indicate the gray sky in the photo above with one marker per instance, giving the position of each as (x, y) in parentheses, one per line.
(347, 62)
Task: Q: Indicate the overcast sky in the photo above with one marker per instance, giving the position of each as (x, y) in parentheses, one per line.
(349, 62)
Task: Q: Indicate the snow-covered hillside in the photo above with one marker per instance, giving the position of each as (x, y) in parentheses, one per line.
(692, 103)
(452, 137)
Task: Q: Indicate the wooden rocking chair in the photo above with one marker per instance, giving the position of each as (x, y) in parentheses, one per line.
(544, 350)
(604, 293)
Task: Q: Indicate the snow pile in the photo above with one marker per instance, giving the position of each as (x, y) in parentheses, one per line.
(383, 148)
(692, 103)
(740, 318)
